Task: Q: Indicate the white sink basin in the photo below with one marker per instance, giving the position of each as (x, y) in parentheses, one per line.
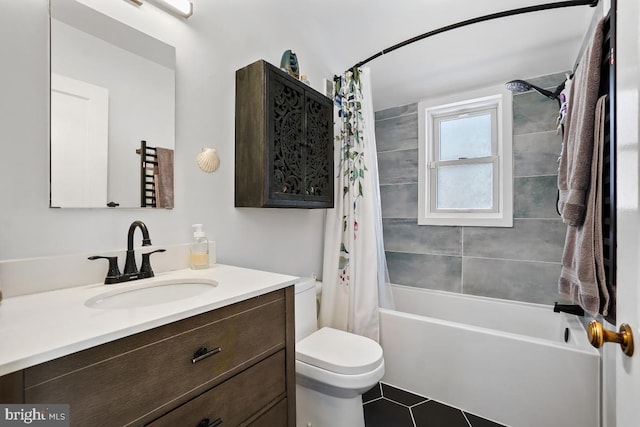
(156, 292)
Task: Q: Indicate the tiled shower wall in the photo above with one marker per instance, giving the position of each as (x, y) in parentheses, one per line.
(520, 263)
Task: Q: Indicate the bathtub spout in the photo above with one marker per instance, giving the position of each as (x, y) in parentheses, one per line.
(568, 308)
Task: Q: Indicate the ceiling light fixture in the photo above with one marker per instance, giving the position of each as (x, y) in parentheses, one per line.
(180, 7)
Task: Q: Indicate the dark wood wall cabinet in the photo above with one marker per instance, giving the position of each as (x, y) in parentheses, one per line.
(233, 366)
(284, 141)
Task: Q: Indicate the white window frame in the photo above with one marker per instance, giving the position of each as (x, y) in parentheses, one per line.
(495, 98)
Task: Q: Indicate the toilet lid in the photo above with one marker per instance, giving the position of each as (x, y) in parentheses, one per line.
(339, 351)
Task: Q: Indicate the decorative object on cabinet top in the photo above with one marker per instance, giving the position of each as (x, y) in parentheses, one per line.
(289, 63)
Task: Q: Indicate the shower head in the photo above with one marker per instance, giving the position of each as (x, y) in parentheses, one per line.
(517, 86)
(522, 86)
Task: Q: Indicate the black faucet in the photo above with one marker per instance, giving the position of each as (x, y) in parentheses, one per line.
(567, 308)
(130, 268)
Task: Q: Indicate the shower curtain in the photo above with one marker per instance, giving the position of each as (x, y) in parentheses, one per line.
(355, 277)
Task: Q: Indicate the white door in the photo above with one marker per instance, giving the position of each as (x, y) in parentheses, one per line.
(79, 143)
(628, 216)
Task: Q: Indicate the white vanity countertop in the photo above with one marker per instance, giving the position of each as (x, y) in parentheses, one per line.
(40, 327)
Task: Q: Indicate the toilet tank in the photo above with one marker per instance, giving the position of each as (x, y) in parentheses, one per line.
(305, 308)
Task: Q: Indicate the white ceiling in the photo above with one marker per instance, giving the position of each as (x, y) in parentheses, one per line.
(492, 52)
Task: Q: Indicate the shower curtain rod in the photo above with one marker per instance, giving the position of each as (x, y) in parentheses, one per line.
(546, 6)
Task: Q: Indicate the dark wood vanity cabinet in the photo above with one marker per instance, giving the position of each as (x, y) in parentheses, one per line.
(246, 376)
(284, 141)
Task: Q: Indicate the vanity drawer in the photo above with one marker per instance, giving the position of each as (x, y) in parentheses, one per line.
(135, 379)
(236, 399)
(11, 387)
(274, 417)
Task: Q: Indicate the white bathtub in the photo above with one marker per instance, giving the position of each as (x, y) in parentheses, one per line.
(501, 360)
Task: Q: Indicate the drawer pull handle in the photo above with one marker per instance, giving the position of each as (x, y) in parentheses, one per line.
(203, 353)
(205, 422)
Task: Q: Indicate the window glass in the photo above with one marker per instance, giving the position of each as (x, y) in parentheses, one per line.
(465, 136)
(468, 186)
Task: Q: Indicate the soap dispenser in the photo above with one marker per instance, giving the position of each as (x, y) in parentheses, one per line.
(199, 249)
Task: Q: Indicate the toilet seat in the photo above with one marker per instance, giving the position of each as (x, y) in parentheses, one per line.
(339, 352)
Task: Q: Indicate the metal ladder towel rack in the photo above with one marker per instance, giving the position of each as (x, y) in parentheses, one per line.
(148, 162)
(608, 87)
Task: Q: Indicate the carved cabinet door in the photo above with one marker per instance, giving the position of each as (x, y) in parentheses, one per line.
(286, 132)
(300, 165)
(319, 179)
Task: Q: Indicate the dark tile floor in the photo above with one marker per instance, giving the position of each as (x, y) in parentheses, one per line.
(386, 406)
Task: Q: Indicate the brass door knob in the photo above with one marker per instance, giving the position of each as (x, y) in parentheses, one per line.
(598, 336)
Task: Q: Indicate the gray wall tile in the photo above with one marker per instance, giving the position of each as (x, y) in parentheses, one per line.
(429, 256)
(533, 113)
(402, 110)
(529, 239)
(398, 167)
(405, 235)
(399, 201)
(536, 153)
(397, 134)
(425, 271)
(535, 197)
(513, 280)
(550, 81)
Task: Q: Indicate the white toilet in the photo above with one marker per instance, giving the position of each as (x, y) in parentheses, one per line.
(333, 368)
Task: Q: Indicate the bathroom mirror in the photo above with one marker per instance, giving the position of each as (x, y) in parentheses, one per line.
(112, 87)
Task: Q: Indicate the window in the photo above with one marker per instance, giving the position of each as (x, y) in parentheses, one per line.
(465, 160)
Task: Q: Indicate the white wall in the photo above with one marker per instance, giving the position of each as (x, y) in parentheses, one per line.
(219, 38)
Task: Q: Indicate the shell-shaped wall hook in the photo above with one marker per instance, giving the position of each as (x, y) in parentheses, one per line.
(208, 160)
